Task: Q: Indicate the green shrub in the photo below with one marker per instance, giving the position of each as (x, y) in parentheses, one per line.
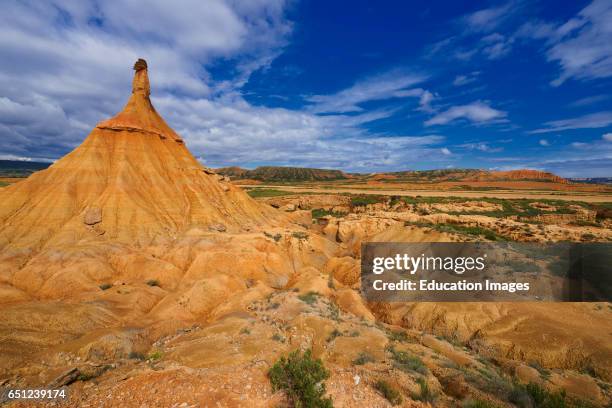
(299, 235)
(478, 404)
(267, 192)
(400, 336)
(135, 355)
(156, 355)
(105, 286)
(310, 297)
(537, 396)
(278, 337)
(302, 378)
(425, 393)
(389, 392)
(335, 333)
(363, 358)
(320, 212)
(152, 282)
(408, 362)
(362, 201)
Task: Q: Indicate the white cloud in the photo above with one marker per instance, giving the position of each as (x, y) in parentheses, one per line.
(489, 18)
(544, 142)
(582, 46)
(481, 146)
(585, 50)
(382, 87)
(445, 151)
(590, 121)
(461, 80)
(607, 137)
(476, 112)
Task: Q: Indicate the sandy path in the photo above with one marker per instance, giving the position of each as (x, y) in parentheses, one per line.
(577, 196)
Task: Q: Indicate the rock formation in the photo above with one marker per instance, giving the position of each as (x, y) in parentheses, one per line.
(132, 180)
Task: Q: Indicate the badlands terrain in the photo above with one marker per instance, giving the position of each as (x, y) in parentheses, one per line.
(135, 277)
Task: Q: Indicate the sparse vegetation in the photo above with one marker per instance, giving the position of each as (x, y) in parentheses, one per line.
(135, 355)
(534, 395)
(299, 235)
(105, 286)
(310, 297)
(363, 358)
(275, 237)
(478, 404)
(156, 355)
(320, 212)
(152, 282)
(278, 337)
(425, 393)
(407, 362)
(389, 392)
(460, 229)
(302, 378)
(400, 336)
(245, 330)
(363, 200)
(335, 333)
(267, 192)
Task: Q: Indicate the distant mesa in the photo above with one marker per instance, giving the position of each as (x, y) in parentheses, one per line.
(278, 173)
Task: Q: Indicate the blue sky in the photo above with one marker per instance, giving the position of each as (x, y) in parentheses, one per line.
(360, 86)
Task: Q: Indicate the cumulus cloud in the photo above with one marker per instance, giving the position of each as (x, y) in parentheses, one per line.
(607, 137)
(590, 121)
(476, 112)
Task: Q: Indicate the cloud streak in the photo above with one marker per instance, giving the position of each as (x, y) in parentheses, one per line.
(475, 112)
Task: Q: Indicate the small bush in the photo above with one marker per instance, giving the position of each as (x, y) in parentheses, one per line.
(425, 393)
(478, 404)
(320, 213)
(245, 330)
(363, 358)
(267, 192)
(278, 337)
(400, 336)
(105, 286)
(135, 355)
(299, 235)
(310, 297)
(537, 396)
(335, 333)
(152, 282)
(156, 355)
(408, 362)
(389, 392)
(302, 378)
(275, 237)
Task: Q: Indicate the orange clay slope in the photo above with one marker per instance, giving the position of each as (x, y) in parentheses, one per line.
(132, 180)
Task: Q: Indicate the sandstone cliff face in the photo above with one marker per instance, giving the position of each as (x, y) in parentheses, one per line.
(132, 180)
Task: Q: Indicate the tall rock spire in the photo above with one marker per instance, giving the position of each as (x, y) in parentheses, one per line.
(139, 113)
(140, 83)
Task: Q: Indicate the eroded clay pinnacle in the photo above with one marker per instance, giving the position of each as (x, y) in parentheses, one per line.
(141, 78)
